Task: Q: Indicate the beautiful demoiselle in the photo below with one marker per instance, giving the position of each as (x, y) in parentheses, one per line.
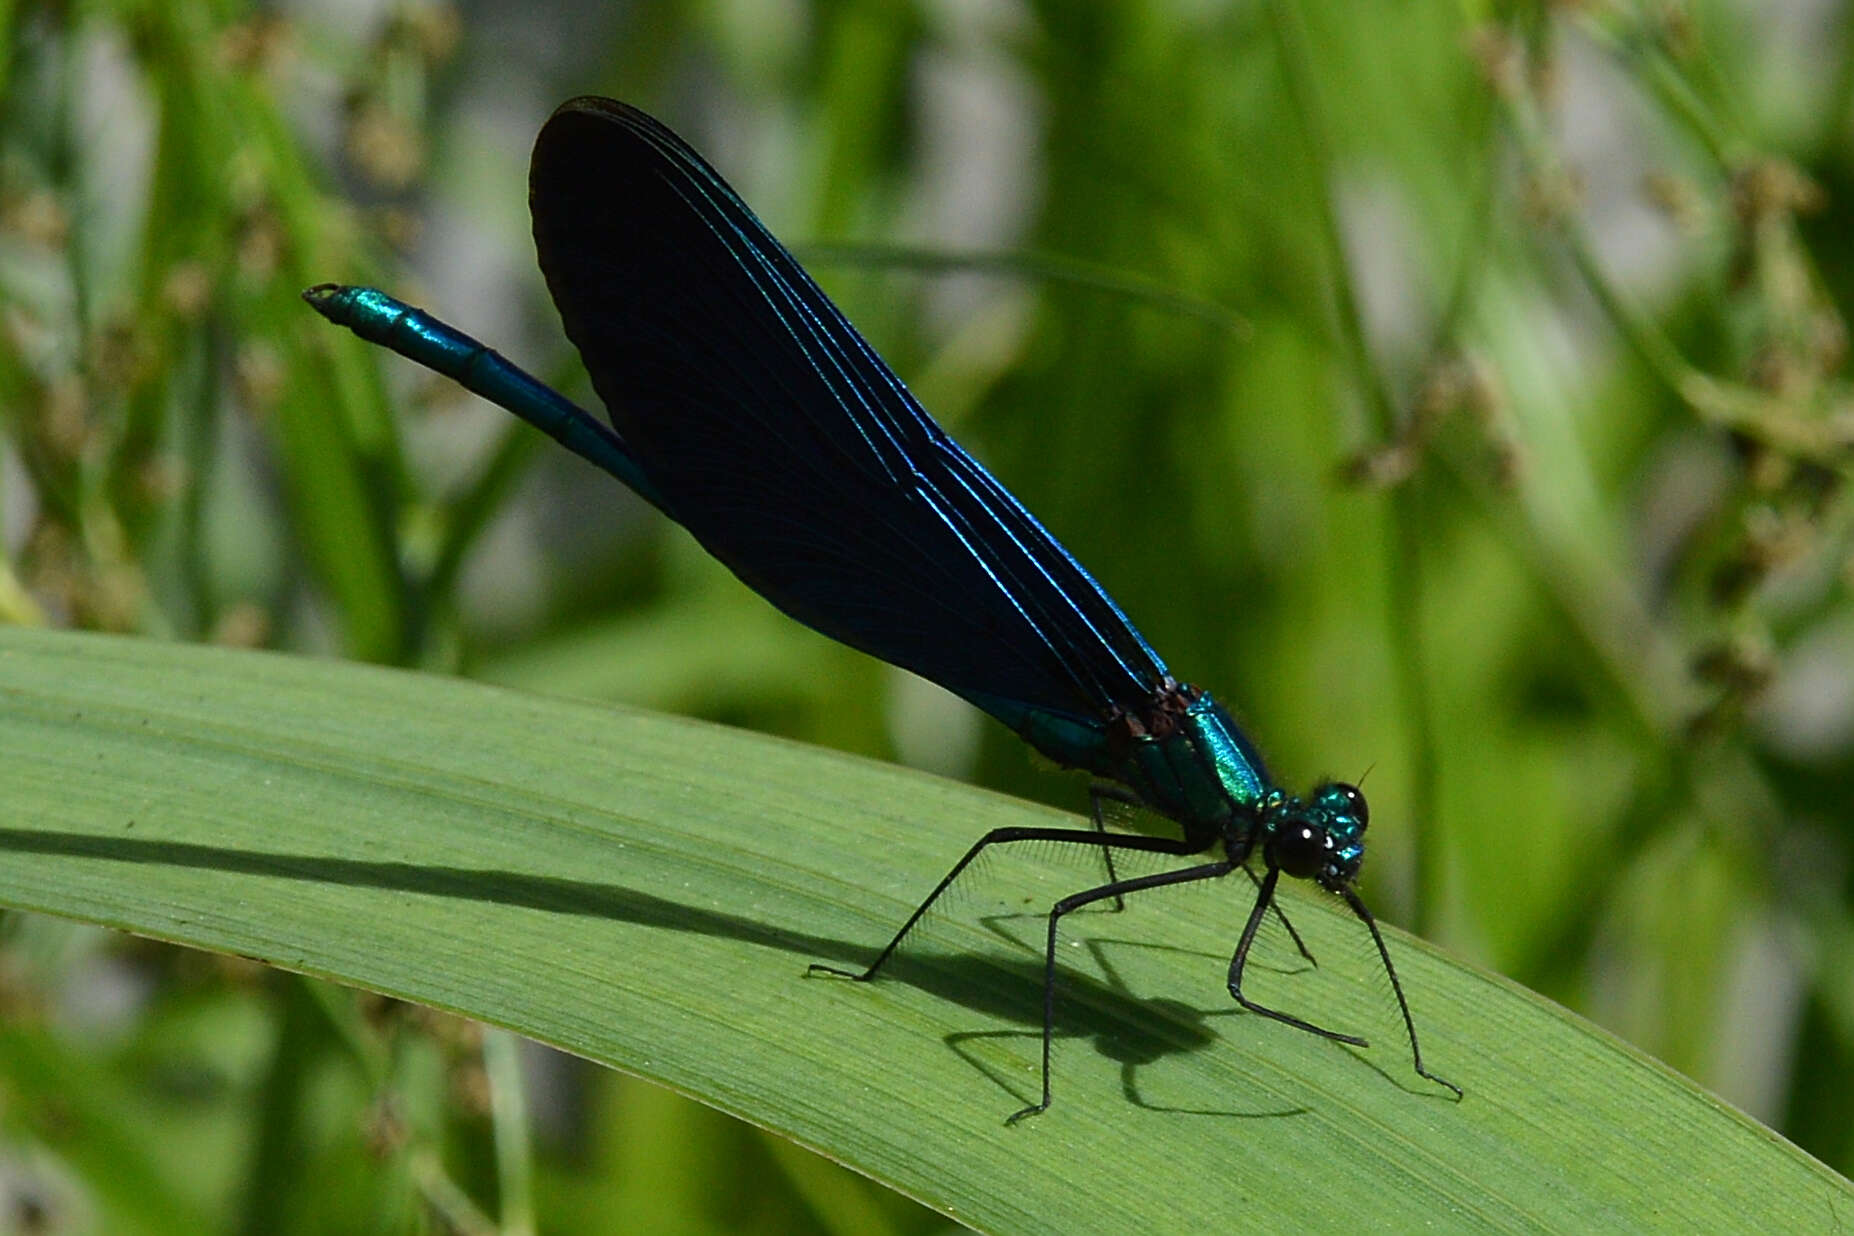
(747, 409)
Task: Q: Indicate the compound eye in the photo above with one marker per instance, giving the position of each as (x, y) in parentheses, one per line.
(1354, 801)
(1300, 850)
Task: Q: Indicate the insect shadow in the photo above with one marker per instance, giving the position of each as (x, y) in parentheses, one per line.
(1122, 1026)
(1133, 1031)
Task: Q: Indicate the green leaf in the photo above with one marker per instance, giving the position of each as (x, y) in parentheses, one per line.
(646, 892)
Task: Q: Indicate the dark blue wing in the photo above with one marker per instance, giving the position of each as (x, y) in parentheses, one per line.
(778, 437)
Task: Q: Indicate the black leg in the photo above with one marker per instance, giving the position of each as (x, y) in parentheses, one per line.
(1281, 915)
(1075, 901)
(1099, 793)
(1409, 1024)
(1002, 836)
(1265, 895)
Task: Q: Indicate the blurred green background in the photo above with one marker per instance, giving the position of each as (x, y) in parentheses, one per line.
(1455, 389)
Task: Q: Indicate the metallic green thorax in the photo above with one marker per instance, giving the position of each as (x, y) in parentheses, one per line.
(1190, 763)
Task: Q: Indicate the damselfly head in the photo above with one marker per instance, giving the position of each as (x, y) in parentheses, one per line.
(1319, 838)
